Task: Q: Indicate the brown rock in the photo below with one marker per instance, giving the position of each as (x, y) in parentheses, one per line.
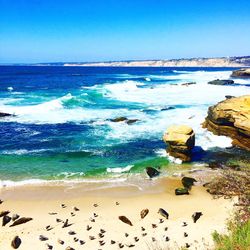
(180, 140)
(20, 221)
(144, 213)
(231, 117)
(125, 220)
(241, 73)
(16, 242)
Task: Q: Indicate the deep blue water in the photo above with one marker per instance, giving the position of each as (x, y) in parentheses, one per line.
(62, 126)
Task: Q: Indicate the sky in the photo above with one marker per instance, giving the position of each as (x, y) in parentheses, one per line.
(106, 30)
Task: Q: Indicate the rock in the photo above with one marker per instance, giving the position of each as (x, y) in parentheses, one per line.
(125, 220)
(196, 216)
(241, 73)
(16, 242)
(231, 117)
(167, 108)
(124, 119)
(2, 114)
(163, 213)
(144, 213)
(22, 220)
(152, 172)
(221, 82)
(15, 217)
(3, 213)
(188, 182)
(180, 140)
(6, 220)
(188, 83)
(181, 191)
(229, 96)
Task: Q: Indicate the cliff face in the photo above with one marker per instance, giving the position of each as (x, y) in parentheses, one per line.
(193, 62)
(231, 118)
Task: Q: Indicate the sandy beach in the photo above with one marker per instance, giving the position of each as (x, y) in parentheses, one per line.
(100, 209)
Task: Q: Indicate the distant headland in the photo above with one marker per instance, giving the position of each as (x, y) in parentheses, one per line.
(236, 61)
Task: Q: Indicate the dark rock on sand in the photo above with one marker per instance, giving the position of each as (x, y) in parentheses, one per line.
(144, 213)
(221, 82)
(188, 182)
(229, 96)
(181, 191)
(245, 73)
(231, 117)
(180, 140)
(6, 220)
(21, 221)
(3, 213)
(163, 213)
(16, 242)
(15, 217)
(124, 219)
(152, 172)
(196, 216)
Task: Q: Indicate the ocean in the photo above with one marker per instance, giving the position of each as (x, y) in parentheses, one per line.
(63, 129)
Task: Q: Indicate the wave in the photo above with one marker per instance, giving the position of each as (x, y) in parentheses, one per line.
(120, 170)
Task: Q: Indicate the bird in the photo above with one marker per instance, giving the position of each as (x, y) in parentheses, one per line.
(121, 245)
(71, 232)
(166, 228)
(48, 228)
(101, 242)
(101, 235)
(163, 213)
(126, 234)
(63, 206)
(92, 220)
(95, 215)
(82, 242)
(88, 227)
(130, 245)
(43, 238)
(154, 226)
(112, 242)
(144, 234)
(144, 213)
(184, 224)
(58, 220)
(153, 239)
(161, 221)
(49, 247)
(76, 209)
(72, 214)
(95, 205)
(76, 239)
(136, 239)
(92, 237)
(143, 229)
(61, 242)
(117, 203)
(167, 238)
(187, 245)
(196, 216)
(185, 234)
(102, 231)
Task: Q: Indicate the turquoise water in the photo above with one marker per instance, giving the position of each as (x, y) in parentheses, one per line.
(63, 128)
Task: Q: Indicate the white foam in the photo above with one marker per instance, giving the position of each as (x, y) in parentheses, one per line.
(10, 89)
(119, 170)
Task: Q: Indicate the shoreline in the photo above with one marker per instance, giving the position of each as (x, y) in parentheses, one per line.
(36, 202)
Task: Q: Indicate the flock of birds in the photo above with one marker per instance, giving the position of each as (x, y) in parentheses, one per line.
(100, 237)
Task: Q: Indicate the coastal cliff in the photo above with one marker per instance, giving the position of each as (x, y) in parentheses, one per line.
(231, 118)
(243, 61)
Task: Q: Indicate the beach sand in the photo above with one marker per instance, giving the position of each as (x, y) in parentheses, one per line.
(38, 201)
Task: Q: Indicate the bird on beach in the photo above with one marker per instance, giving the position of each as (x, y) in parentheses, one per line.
(112, 242)
(166, 228)
(126, 234)
(63, 206)
(61, 242)
(71, 232)
(144, 234)
(48, 228)
(95, 215)
(72, 214)
(121, 245)
(82, 242)
(167, 238)
(76, 209)
(117, 203)
(49, 247)
(92, 237)
(185, 234)
(187, 245)
(92, 220)
(184, 224)
(66, 224)
(161, 221)
(52, 213)
(154, 226)
(102, 231)
(163, 213)
(101, 242)
(131, 245)
(43, 238)
(95, 205)
(144, 213)
(136, 239)
(76, 239)
(101, 235)
(153, 239)
(143, 229)
(88, 227)
(196, 216)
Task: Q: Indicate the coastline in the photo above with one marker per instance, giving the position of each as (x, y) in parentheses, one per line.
(28, 200)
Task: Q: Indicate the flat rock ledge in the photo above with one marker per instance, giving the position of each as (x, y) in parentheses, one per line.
(180, 140)
(241, 73)
(231, 117)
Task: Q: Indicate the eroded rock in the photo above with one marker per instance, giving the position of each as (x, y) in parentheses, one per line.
(180, 140)
(231, 117)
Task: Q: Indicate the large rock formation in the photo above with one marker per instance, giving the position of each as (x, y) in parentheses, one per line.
(180, 140)
(231, 117)
(241, 73)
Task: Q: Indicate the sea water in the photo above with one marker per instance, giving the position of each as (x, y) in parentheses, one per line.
(62, 127)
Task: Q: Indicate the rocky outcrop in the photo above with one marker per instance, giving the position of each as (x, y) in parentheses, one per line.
(241, 73)
(2, 114)
(231, 117)
(124, 119)
(180, 140)
(221, 82)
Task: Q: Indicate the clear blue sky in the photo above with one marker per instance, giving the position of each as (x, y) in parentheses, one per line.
(98, 30)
